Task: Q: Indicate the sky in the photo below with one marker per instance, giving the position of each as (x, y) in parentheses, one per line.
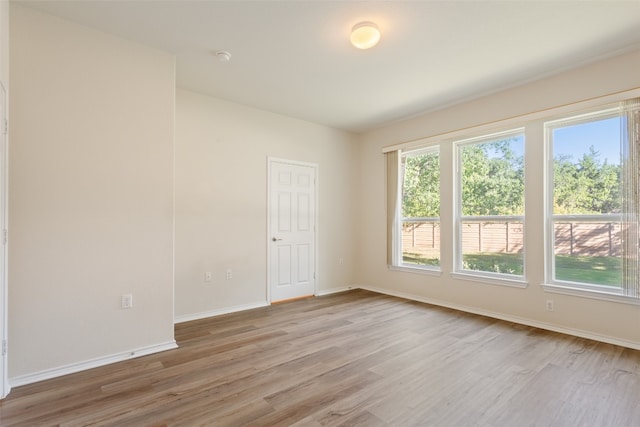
(603, 135)
(575, 140)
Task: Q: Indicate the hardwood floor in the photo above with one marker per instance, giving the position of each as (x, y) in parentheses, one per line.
(350, 359)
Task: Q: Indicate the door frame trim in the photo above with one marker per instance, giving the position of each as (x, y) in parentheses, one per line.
(270, 161)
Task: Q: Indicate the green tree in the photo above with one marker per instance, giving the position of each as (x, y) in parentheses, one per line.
(588, 186)
(492, 179)
(566, 195)
(421, 187)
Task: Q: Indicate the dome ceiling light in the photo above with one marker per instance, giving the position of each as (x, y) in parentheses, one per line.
(365, 35)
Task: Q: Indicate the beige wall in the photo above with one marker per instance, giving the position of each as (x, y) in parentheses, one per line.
(91, 188)
(4, 78)
(607, 320)
(221, 199)
(4, 41)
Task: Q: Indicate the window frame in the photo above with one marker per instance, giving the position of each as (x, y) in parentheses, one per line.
(505, 279)
(399, 263)
(536, 231)
(590, 290)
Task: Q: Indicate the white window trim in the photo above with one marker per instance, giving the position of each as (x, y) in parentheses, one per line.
(433, 148)
(589, 292)
(513, 280)
(566, 287)
(426, 270)
(399, 264)
(491, 278)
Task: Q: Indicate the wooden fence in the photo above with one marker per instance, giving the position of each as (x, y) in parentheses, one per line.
(571, 238)
(588, 238)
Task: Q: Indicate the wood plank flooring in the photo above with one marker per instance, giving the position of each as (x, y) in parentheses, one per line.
(350, 359)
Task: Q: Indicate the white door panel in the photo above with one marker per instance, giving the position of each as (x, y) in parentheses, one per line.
(291, 230)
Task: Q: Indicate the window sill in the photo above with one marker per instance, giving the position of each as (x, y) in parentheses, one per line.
(589, 293)
(502, 281)
(417, 270)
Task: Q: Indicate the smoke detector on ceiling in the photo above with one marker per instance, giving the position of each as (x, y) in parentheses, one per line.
(223, 56)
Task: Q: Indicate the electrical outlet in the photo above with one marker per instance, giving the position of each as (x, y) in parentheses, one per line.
(127, 301)
(549, 305)
(229, 274)
(208, 276)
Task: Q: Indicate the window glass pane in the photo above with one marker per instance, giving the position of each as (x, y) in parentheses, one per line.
(587, 201)
(421, 209)
(493, 246)
(421, 242)
(588, 252)
(493, 177)
(492, 205)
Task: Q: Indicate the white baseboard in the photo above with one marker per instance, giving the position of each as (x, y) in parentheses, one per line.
(336, 290)
(89, 364)
(523, 321)
(218, 312)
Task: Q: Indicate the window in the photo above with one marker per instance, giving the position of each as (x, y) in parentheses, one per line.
(420, 208)
(464, 192)
(593, 201)
(490, 208)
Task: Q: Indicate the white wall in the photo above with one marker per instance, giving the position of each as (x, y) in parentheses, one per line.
(605, 320)
(221, 200)
(91, 188)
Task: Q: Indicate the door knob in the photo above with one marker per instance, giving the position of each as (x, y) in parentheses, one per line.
(274, 239)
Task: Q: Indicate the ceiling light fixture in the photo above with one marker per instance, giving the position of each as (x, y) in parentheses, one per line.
(223, 56)
(365, 35)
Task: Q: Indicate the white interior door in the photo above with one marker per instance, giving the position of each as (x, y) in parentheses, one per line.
(292, 224)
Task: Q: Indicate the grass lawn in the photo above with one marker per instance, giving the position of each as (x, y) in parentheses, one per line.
(494, 262)
(601, 270)
(605, 271)
(419, 259)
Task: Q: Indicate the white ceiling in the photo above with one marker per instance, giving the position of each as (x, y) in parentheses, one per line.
(294, 57)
